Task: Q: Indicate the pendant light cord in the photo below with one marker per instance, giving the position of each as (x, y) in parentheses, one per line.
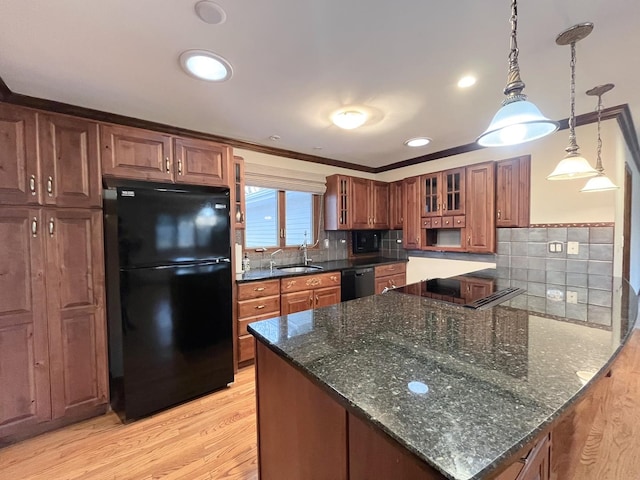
(573, 146)
(599, 166)
(515, 85)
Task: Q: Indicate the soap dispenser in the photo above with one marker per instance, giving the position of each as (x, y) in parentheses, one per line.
(246, 263)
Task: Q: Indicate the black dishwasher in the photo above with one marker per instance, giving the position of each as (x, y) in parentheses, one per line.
(358, 282)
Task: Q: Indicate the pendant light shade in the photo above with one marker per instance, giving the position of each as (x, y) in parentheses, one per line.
(518, 120)
(573, 165)
(599, 183)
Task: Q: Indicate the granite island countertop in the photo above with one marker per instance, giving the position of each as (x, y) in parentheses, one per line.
(495, 378)
(329, 266)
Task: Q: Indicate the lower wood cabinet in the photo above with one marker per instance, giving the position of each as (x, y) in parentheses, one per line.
(390, 276)
(256, 301)
(52, 324)
(309, 291)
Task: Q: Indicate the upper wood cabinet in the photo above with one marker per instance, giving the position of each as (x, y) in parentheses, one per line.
(139, 154)
(411, 227)
(237, 192)
(201, 162)
(338, 203)
(443, 193)
(353, 203)
(19, 169)
(69, 157)
(513, 185)
(480, 216)
(65, 172)
(396, 205)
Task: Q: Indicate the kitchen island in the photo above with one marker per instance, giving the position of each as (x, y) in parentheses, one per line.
(402, 386)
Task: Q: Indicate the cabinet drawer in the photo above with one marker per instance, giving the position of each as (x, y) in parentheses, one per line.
(247, 291)
(447, 222)
(246, 348)
(259, 306)
(309, 282)
(426, 222)
(242, 323)
(436, 222)
(391, 269)
(459, 221)
(390, 281)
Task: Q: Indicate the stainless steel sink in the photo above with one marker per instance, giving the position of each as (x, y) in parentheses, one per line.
(299, 268)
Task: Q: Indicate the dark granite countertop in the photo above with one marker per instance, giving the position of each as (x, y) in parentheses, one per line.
(496, 378)
(331, 266)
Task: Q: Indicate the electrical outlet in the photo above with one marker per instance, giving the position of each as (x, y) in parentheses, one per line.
(572, 297)
(573, 248)
(555, 247)
(326, 243)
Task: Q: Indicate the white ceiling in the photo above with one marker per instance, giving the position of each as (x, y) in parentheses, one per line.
(296, 61)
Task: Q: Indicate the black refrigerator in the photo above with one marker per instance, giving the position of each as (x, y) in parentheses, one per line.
(167, 250)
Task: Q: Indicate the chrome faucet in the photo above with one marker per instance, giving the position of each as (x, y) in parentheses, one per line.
(272, 261)
(303, 247)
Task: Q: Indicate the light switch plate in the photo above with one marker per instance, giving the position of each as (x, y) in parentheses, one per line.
(573, 248)
(572, 297)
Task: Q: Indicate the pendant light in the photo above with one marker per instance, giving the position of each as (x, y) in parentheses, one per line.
(573, 165)
(599, 183)
(518, 120)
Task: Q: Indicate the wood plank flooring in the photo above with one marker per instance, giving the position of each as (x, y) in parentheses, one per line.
(211, 438)
(215, 438)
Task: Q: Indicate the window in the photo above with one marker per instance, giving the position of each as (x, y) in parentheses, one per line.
(278, 218)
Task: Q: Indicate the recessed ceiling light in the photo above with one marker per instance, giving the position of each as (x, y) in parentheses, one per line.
(349, 118)
(467, 81)
(210, 12)
(417, 142)
(206, 65)
(274, 138)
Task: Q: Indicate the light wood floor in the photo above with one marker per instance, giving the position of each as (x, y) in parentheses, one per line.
(210, 438)
(215, 438)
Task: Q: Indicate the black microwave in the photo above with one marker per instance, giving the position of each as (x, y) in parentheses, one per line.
(366, 241)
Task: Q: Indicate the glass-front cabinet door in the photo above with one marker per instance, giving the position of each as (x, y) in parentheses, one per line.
(430, 193)
(453, 192)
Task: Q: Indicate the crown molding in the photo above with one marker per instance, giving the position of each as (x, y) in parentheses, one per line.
(621, 113)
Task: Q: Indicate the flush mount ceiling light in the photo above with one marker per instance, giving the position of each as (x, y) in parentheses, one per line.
(599, 183)
(467, 81)
(349, 119)
(418, 142)
(518, 120)
(205, 65)
(573, 165)
(210, 12)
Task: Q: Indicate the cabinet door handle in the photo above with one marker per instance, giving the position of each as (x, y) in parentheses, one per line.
(317, 300)
(179, 167)
(258, 289)
(259, 307)
(241, 217)
(34, 227)
(50, 186)
(499, 214)
(32, 184)
(469, 240)
(51, 226)
(167, 165)
(311, 300)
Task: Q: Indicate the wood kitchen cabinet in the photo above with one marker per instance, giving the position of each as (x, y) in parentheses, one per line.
(255, 301)
(64, 171)
(338, 203)
(309, 291)
(513, 185)
(443, 193)
(396, 205)
(353, 203)
(52, 327)
(370, 204)
(411, 227)
(139, 154)
(392, 275)
(238, 198)
(480, 216)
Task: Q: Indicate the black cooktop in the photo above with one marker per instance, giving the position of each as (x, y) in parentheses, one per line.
(477, 290)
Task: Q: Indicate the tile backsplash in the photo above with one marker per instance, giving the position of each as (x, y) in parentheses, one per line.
(567, 271)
